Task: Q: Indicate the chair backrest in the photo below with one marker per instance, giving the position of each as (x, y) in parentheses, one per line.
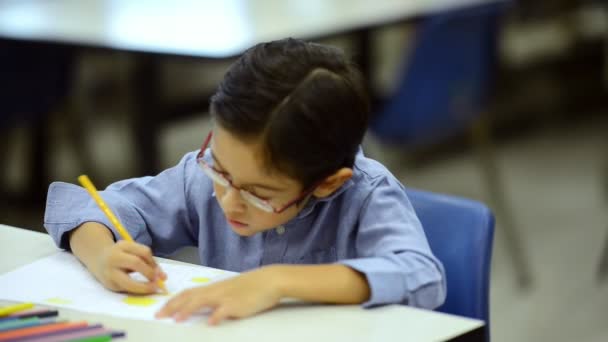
(447, 78)
(460, 233)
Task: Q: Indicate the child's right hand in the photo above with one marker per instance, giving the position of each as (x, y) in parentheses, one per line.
(111, 263)
(116, 261)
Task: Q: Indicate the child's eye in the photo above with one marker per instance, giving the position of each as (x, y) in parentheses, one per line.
(262, 197)
(265, 198)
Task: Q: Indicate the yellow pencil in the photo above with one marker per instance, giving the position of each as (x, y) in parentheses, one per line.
(7, 310)
(88, 185)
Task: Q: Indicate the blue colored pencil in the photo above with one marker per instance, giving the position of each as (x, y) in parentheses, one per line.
(28, 314)
(26, 322)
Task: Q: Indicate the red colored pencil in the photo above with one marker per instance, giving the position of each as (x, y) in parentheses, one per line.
(44, 329)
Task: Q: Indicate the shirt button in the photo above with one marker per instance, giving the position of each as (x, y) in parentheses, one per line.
(280, 230)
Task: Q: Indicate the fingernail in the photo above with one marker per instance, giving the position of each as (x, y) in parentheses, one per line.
(160, 274)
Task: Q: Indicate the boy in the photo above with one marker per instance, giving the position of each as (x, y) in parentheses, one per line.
(280, 190)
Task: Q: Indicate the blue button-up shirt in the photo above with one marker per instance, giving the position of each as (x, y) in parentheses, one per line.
(368, 224)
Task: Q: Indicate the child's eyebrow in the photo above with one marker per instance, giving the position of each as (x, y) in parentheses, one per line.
(250, 185)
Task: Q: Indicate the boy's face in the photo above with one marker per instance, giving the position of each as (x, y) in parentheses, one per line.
(242, 163)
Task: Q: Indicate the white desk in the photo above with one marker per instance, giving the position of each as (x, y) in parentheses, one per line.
(288, 322)
(211, 29)
(200, 28)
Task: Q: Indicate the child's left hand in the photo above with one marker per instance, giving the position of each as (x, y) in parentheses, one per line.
(241, 296)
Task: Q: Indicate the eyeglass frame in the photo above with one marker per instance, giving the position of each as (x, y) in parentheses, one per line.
(263, 204)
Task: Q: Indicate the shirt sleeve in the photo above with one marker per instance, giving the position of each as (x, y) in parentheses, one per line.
(393, 252)
(153, 209)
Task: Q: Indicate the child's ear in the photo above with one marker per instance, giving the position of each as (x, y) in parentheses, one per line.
(333, 182)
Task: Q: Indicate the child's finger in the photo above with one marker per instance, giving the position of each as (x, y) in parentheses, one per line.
(169, 309)
(128, 284)
(191, 306)
(135, 263)
(160, 274)
(145, 253)
(138, 249)
(218, 315)
(175, 304)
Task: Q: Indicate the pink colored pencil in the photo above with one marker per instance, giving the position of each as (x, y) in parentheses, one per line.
(71, 335)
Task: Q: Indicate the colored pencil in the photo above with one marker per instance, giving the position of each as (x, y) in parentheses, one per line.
(7, 310)
(57, 334)
(38, 330)
(78, 335)
(28, 314)
(25, 322)
(100, 338)
(88, 185)
(74, 335)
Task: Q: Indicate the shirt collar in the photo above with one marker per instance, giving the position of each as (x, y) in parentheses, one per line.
(314, 201)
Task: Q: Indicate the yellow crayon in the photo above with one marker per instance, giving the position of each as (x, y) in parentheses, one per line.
(88, 185)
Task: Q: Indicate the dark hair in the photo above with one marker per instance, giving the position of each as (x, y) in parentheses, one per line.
(305, 100)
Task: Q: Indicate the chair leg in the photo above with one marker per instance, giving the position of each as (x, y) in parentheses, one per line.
(603, 267)
(602, 271)
(5, 144)
(490, 173)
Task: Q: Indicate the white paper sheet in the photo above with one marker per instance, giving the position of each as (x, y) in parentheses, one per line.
(61, 280)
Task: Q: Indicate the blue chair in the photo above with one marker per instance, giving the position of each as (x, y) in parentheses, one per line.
(447, 79)
(443, 92)
(460, 233)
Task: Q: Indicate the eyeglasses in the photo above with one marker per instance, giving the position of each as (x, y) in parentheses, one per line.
(221, 178)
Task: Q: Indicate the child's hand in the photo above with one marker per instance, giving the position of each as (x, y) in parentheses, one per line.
(119, 259)
(241, 296)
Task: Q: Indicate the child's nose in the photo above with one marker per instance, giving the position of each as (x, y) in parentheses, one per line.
(232, 200)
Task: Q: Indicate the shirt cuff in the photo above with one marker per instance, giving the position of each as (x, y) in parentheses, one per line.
(67, 206)
(422, 288)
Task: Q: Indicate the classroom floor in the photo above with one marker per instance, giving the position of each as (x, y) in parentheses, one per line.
(554, 182)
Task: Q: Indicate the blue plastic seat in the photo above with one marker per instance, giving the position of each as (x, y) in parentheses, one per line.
(446, 81)
(460, 233)
(443, 92)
